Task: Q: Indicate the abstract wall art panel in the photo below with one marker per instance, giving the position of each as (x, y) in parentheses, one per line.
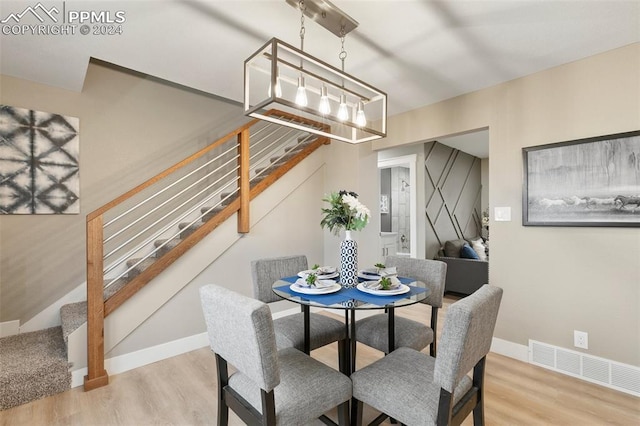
(39, 168)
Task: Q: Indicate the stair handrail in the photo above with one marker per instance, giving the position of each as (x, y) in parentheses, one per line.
(97, 307)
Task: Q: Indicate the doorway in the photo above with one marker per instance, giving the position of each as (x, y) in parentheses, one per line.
(398, 218)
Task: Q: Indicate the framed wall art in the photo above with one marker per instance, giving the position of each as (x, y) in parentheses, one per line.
(384, 204)
(586, 182)
(39, 162)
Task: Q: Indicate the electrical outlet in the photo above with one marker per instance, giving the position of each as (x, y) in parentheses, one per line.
(581, 339)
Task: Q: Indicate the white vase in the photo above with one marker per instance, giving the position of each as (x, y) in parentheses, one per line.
(348, 261)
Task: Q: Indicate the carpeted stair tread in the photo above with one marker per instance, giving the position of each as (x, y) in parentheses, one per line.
(257, 179)
(111, 287)
(228, 197)
(259, 170)
(209, 209)
(137, 270)
(72, 316)
(211, 213)
(32, 366)
(162, 249)
(283, 158)
(188, 228)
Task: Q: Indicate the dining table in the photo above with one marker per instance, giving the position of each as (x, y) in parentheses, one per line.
(350, 300)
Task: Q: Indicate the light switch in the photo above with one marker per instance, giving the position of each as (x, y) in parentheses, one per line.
(502, 214)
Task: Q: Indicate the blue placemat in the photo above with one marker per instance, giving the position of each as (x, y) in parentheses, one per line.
(354, 293)
(324, 299)
(403, 280)
(346, 294)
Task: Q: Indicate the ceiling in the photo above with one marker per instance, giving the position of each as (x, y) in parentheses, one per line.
(475, 143)
(418, 51)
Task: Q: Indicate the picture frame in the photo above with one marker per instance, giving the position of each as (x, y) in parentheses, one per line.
(384, 204)
(585, 182)
(39, 162)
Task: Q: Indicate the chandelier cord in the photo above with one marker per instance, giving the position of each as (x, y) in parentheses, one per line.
(302, 28)
(343, 53)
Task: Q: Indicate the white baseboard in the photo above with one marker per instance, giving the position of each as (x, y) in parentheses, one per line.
(130, 361)
(126, 362)
(285, 313)
(122, 363)
(510, 349)
(9, 328)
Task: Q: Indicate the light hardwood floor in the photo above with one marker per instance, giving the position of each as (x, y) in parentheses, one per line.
(182, 391)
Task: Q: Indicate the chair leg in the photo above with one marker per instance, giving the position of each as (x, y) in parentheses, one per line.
(223, 378)
(434, 327)
(478, 413)
(268, 408)
(478, 381)
(343, 414)
(356, 412)
(343, 356)
(223, 412)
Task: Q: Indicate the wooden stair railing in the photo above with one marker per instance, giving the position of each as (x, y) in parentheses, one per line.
(98, 308)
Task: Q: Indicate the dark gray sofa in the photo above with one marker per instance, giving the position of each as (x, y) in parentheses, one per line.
(464, 276)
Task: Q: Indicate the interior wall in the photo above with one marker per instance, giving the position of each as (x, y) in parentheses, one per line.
(453, 193)
(270, 237)
(354, 168)
(555, 279)
(484, 180)
(131, 128)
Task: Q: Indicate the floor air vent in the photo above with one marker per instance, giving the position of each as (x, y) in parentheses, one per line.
(622, 377)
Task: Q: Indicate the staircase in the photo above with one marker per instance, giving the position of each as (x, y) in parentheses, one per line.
(128, 245)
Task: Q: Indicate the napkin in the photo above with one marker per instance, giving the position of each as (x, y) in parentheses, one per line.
(326, 270)
(385, 272)
(301, 282)
(375, 285)
(389, 272)
(323, 270)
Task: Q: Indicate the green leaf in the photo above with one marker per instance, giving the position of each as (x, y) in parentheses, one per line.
(311, 280)
(385, 283)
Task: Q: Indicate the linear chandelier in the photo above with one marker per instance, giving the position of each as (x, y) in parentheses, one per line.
(287, 86)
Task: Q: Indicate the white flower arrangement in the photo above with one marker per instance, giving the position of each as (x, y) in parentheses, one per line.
(345, 212)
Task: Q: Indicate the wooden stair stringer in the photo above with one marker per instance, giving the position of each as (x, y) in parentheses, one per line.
(147, 299)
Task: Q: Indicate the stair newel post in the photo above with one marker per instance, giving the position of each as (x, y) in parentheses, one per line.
(243, 181)
(97, 376)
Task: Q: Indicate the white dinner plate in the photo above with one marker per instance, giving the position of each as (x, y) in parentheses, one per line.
(400, 290)
(303, 274)
(332, 288)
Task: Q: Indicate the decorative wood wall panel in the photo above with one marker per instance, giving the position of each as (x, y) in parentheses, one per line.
(452, 193)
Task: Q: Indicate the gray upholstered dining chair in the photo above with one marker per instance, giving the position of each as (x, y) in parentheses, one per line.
(374, 331)
(270, 386)
(417, 389)
(290, 329)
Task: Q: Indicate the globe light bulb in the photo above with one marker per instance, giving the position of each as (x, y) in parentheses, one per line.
(343, 111)
(301, 94)
(324, 107)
